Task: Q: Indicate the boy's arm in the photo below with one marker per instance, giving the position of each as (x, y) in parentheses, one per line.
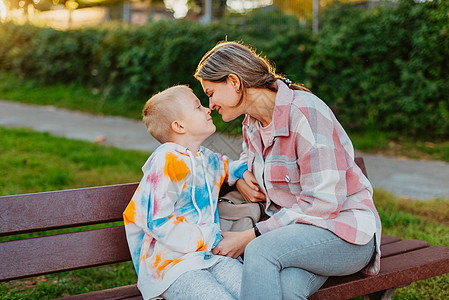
(236, 170)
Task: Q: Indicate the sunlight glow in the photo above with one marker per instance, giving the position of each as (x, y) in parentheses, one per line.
(242, 5)
(179, 7)
(3, 11)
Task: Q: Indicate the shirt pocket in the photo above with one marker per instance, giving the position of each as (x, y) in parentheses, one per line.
(283, 179)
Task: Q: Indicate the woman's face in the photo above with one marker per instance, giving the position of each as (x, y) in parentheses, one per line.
(223, 97)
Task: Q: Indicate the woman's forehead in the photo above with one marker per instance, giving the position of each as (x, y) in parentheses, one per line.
(190, 98)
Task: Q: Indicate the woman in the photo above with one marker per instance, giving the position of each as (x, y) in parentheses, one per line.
(322, 217)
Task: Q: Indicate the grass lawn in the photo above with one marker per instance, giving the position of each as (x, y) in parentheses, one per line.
(36, 162)
(383, 143)
(70, 96)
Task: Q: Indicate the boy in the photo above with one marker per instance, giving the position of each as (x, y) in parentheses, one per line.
(172, 221)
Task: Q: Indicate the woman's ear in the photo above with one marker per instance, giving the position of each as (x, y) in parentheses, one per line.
(177, 127)
(234, 80)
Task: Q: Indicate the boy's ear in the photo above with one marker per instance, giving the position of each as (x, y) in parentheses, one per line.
(177, 127)
(234, 80)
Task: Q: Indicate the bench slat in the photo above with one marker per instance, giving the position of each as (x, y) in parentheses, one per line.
(402, 246)
(387, 239)
(61, 209)
(63, 252)
(396, 271)
(84, 251)
(361, 163)
(127, 292)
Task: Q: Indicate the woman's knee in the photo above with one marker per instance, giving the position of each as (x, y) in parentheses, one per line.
(250, 248)
(251, 251)
(256, 253)
(299, 284)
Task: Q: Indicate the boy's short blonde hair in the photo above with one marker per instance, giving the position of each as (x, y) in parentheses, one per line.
(162, 109)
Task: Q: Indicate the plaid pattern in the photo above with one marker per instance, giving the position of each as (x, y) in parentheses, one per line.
(308, 173)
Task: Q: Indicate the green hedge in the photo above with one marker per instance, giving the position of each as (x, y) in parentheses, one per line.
(382, 69)
(386, 69)
(131, 63)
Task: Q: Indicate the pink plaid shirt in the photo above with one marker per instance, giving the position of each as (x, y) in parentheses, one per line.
(308, 174)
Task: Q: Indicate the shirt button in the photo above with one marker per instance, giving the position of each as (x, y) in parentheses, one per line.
(287, 178)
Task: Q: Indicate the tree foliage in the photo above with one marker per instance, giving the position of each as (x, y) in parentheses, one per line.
(386, 68)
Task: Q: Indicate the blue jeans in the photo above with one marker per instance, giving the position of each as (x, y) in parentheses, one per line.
(294, 261)
(221, 281)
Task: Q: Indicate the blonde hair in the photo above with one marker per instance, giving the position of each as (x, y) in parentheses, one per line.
(162, 109)
(235, 58)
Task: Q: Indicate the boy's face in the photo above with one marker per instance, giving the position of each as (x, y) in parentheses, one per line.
(196, 118)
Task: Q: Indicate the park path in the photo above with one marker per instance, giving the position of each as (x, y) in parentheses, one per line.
(404, 177)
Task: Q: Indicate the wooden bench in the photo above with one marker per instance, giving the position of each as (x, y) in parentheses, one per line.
(403, 261)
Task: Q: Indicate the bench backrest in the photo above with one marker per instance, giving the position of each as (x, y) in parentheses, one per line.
(40, 212)
(63, 209)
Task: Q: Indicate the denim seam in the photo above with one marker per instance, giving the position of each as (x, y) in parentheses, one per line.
(278, 263)
(311, 279)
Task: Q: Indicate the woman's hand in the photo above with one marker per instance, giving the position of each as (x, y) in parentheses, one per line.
(249, 188)
(251, 180)
(233, 243)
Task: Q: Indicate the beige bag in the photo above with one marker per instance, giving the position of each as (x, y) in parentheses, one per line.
(236, 214)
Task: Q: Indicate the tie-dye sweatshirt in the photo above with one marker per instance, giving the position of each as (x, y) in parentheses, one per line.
(172, 220)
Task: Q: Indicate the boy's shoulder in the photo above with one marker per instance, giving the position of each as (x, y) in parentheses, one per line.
(164, 152)
(166, 147)
(170, 147)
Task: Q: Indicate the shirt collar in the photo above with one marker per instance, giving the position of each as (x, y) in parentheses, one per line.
(281, 111)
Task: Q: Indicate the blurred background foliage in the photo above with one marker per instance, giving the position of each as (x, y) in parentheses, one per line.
(386, 68)
(382, 69)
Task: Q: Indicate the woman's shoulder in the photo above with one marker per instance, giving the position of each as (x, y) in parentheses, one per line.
(310, 104)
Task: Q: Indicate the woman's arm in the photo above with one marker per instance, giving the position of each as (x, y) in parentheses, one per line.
(249, 188)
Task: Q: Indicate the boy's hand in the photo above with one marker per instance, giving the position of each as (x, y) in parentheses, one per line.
(249, 188)
(233, 243)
